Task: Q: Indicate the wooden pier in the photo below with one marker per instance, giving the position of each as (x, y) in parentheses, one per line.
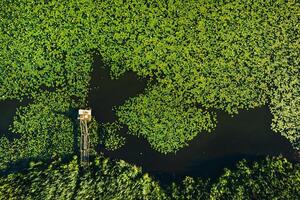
(85, 116)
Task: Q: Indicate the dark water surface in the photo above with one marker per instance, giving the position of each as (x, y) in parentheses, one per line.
(246, 135)
(7, 113)
(106, 93)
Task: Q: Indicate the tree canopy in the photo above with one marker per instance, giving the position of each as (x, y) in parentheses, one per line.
(271, 178)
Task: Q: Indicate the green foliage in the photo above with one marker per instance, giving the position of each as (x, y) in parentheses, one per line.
(190, 189)
(226, 55)
(95, 136)
(222, 55)
(105, 134)
(166, 122)
(273, 178)
(213, 53)
(118, 180)
(106, 179)
(45, 45)
(57, 181)
(111, 139)
(44, 129)
(285, 106)
(6, 152)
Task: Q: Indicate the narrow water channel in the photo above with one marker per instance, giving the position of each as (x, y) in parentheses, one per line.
(246, 135)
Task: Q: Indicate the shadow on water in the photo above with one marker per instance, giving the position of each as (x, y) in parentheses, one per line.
(7, 113)
(246, 135)
(106, 93)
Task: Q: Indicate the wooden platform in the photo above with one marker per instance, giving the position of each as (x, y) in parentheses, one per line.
(85, 116)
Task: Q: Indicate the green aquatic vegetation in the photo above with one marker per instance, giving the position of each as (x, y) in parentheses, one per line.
(220, 55)
(111, 138)
(44, 128)
(208, 54)
(44, 44)
(162, 118)
(197, 49)
(6, 152)
(95, 135)
(285, 106)
(106, 134)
